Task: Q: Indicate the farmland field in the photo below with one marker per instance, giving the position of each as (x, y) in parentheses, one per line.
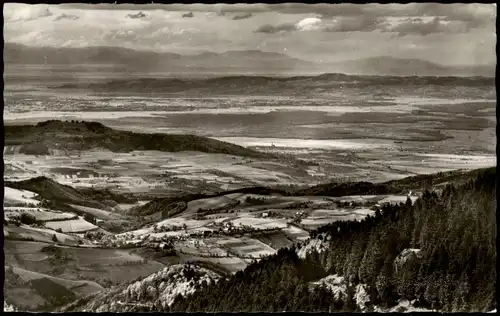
(149, 172)
(296, 232)
(26, 275)
(396, 199)
(16, 197)
(72, 225)
(245, 247)
(38, 234)
(277, 240)
(259, 223)
(77, 263)
(101, 214)
(40, 214)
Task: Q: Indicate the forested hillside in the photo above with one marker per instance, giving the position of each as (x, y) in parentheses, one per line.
(63, 135)
(439, 253)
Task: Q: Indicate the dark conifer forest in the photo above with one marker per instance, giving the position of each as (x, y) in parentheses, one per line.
(455, 269)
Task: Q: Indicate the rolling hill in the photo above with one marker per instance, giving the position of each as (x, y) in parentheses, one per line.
(393, 186)
(401, 186)
(49, 189)
(40, 138)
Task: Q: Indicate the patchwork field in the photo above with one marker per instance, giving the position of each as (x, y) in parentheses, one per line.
(14, 197)
(227, 230)
(247, 248)
(89, 287)
(72, 226)
(296, 233)
(151, 172)
(104, 266)
(29, 290)
(154, 173)
(259, 223)
(216, 203)
(396, 199)
(40, 214)
(315, 222)
(101, 214)
(279, 239)
(40, 234)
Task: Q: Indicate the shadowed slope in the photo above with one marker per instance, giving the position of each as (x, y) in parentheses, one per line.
(88, 135)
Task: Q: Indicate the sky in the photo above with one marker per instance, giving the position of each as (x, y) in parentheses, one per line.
(448, 34)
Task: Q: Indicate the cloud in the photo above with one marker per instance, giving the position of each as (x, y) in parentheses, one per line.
(341, 24)
(268, 28)
(352, 24)
(308, 24)
(457, 11)
(188, 15)
(120, 35)
(23, 13)
(243, 16)
(472, 15)
(416, 26)
(196, 7)
(65, 16)
(139, 15)
(324, 9)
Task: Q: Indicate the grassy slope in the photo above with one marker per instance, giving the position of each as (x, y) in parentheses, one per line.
(87, 135)
(168, 203)
(52, 291)
(61, 197)
(51, 190)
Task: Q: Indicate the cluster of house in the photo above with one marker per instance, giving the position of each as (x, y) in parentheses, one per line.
(269, 214)
(160, 245)
(297, 217)
(82, 174)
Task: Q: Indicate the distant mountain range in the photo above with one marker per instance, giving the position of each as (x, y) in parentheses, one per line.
(250, 61)
(409, 67)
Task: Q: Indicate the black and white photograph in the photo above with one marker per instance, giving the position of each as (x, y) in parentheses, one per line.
(249, 157)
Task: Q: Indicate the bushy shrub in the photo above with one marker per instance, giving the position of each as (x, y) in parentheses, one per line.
(27, 219)
(89, 218)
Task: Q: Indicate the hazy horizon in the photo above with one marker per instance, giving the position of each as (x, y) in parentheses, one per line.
(444, 34)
